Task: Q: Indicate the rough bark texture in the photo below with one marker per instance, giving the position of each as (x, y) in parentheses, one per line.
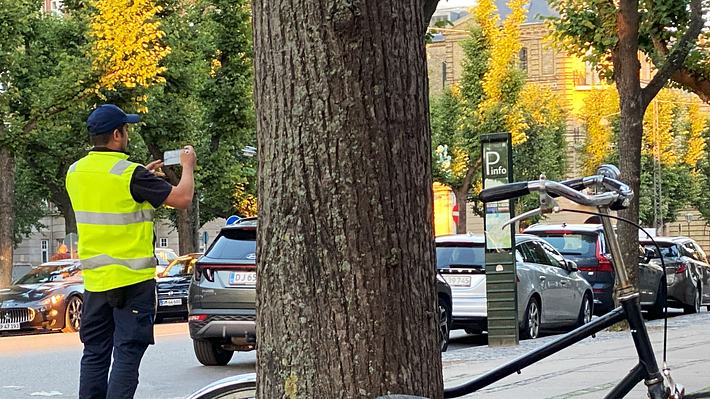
(628, 84)
(461, 194)
(188, 224)
(346, 281)
(7, 216)
(63, 203)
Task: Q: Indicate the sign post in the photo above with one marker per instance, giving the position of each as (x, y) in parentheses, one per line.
(501, 287)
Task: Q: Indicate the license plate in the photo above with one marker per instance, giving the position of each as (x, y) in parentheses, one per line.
(9, 326)
(458, 281)
(242, 278)
(171, 302)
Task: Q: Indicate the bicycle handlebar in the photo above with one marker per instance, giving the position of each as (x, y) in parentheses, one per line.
(617, 197)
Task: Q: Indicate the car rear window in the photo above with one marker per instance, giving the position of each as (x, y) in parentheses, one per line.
(453, 254)
(575, 244)
(667, 249)
(234, 244)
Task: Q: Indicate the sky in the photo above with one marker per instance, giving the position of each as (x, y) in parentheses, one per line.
(455, 3)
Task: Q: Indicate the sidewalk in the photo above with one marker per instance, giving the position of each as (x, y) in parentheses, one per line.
(592, 367)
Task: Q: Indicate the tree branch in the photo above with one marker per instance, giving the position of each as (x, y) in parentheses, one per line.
(677, 55)
(698, 85)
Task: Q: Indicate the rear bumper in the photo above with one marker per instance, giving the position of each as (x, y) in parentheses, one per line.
(225, 324)
(603, 298)
(680, 290)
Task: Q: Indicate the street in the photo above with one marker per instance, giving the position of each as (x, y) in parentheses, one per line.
(47, 365)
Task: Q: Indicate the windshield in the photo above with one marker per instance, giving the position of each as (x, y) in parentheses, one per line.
(451, 254)
(180, 267)
(165, 257)
(575, 244)
(51, 274)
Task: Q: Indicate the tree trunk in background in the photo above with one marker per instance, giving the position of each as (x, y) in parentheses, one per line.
(188, 225)
(461, 195)
(626, 75)
(63, 203)
(346, 300)
(7, 214)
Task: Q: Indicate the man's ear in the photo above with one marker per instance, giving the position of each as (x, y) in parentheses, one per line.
(118, 134)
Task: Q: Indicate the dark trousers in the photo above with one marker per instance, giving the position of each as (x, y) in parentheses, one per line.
(118, 322)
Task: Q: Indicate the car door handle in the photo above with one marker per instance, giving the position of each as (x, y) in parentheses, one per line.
(563, 282)
(543, 278)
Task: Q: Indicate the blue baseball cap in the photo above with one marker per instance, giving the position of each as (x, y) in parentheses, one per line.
(108, 117)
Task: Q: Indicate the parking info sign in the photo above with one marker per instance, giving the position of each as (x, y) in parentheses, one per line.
(501, 289)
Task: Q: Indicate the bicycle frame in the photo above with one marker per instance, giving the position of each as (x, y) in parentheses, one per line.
(630, 309)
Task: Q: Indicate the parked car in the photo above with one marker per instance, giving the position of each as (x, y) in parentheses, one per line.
(172, 285)
(687, 271)
(222, 297)
(48, 297)
(164, 257)
(551, 293)
(20, 269)
(586, 245)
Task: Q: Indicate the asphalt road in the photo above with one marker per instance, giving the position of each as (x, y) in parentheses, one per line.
(47, 365)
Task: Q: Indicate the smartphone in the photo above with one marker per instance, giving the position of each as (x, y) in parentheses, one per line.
(171, 157)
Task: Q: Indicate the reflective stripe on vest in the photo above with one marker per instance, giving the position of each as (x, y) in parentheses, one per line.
(120, 167)
(143, 215)
(103, 260)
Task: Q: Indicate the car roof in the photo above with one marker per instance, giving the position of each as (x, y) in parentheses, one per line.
(578, 227)
(62, 262)
(246, 223)
(479, 238)
(667, 240)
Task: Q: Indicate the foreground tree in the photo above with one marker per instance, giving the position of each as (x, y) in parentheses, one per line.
(345, 296)
(604, 31)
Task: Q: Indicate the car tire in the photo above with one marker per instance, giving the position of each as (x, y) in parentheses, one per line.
(211, 353)
(531, 321)
(72, 315)
(158, 319)
(695, 306)
(660, 303)
(473, 331)
(444, 324)
(586, 311)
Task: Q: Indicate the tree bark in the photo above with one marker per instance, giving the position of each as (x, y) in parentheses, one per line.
(346, 294)
(627, 77)
(461, 194)
(188, 224)
(7, 213)
(63, 202)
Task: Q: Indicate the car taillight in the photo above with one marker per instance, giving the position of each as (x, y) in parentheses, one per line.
(682, 268)
(197, 317)
(603, 261)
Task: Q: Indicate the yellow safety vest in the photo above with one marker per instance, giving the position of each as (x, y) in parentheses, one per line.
(115, 231)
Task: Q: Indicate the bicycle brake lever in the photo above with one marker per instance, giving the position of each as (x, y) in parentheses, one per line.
(523, 216)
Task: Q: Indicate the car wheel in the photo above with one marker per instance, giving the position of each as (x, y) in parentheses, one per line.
(158, 319)
(660, 303)
(72, 315)
(211, 353)
(444, 324)
(531, 326)
(585, 311)
(695, 306)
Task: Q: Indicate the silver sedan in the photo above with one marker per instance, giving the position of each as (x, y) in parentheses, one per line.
(551, 293)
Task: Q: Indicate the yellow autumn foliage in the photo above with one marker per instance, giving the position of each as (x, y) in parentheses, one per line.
(696, 143)
(126, 43)
(658, 140)
(506, 45)
(600, 108)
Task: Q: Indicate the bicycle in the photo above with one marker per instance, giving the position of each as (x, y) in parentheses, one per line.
(611, 195)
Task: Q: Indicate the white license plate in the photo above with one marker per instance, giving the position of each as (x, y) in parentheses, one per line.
(242, 278)
(9, 326)
(171, 302)
(458, 281)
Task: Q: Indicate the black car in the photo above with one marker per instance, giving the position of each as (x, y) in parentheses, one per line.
(48, 297)
(586, 245)
(173, 284)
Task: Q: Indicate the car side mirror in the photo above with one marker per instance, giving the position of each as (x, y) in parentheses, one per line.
(572, 266)
(648, 255)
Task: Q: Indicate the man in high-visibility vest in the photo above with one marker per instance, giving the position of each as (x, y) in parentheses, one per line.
(114, 201)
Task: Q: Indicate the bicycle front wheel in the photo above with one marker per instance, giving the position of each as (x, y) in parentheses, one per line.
(237, 387)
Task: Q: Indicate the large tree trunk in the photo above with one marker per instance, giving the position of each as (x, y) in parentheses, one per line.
(346, 294)
(7, 213)
(188, 224)
(63, 202)
(626, 74)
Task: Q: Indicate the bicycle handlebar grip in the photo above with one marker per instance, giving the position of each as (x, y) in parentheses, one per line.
(505, 191)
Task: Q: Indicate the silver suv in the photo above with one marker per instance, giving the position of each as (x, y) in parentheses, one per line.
(222, 297)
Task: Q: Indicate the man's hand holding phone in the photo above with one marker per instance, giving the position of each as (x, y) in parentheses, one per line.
(185, 157)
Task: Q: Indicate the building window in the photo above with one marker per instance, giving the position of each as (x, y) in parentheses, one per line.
(163, 242)
(57, 6)
(591, 77)
(44, 246)
(523, 57)
(548, 61)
